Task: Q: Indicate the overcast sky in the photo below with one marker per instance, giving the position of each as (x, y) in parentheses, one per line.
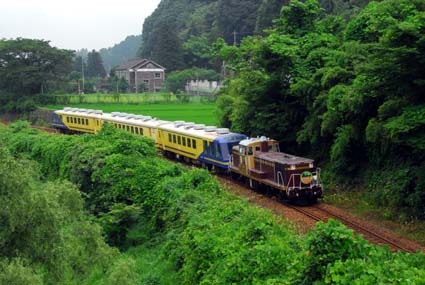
(74, 24)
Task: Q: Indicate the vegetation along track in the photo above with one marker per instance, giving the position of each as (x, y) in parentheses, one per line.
(322, 212)
(318, 212)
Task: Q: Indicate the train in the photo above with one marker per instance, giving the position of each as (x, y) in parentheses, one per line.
(257, 160)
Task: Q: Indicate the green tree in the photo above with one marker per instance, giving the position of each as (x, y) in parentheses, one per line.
(28, 68)
(44, 226)
(95, 66)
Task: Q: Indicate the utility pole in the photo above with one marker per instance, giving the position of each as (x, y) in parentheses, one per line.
(82, 71)
(234, 37)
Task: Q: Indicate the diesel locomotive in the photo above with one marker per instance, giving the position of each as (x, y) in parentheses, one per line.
(258, 160)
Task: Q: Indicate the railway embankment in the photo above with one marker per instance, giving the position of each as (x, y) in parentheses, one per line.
(205, 234)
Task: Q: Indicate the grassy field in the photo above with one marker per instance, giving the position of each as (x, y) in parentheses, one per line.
(201, 113)
(140, 98)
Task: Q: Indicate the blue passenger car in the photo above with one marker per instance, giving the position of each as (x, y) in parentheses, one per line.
(218, 152)
(57, 122)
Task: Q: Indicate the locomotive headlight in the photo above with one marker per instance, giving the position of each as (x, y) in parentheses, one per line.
(315, 177)
(293, 167)
(310, 165)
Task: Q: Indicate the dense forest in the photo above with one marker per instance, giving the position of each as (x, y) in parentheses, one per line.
(163, 223)
(349, 93)
(179, 32)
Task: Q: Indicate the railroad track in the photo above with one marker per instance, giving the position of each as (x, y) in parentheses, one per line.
(49, 130)
(324, 212)
(319, 212)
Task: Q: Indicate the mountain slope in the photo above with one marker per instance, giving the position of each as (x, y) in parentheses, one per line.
(175, 22)
(121, 52)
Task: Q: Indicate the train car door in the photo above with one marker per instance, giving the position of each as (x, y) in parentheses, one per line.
(279, 175)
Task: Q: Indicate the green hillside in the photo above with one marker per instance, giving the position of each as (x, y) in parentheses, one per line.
(180, 30)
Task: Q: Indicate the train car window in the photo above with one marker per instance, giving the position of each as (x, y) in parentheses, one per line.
(205, 146)
(184, 141)
(179, 140)
(141, 131)
(188, 143)
(218, 151)
(79, 121)
(169, 137)
(174, 139)
(132, 129)
(211, 149)
(242, 150)
(194, 143)
(87, 122)
(137, 130)
(128, 128)
(257, 148)
(67, 119)
(250, 152)
(97, 121)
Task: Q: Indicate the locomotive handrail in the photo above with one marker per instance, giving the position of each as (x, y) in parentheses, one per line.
(292, 184)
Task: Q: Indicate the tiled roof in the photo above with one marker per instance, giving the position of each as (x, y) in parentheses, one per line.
(138, 62)
(131, 63)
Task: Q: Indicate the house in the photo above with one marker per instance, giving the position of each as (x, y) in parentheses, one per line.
(142, 74)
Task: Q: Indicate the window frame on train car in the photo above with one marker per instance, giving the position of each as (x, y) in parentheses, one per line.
(242, 150)
(141, 131)
(179, 140)
(184, 141)
(67, 119)
(174, 139)
(79, 121)
(250, 150)
(87, 122)
(170, 139)
(194, 143)
(132, 129)
(127, 128)
(218, 153)
(136, 130)
(189, 142)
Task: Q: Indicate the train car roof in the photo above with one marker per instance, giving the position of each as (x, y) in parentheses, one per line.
(139, 120)
(81, 112)
(282, 158)
(180, 127)
(195, 130)
(250, 141)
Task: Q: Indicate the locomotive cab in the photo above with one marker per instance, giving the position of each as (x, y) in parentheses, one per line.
(244, 153)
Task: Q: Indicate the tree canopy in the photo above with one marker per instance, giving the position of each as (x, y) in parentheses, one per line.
(28, 68)
(95, 66)
(348, 92)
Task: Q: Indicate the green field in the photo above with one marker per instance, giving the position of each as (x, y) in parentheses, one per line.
(201, 113)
